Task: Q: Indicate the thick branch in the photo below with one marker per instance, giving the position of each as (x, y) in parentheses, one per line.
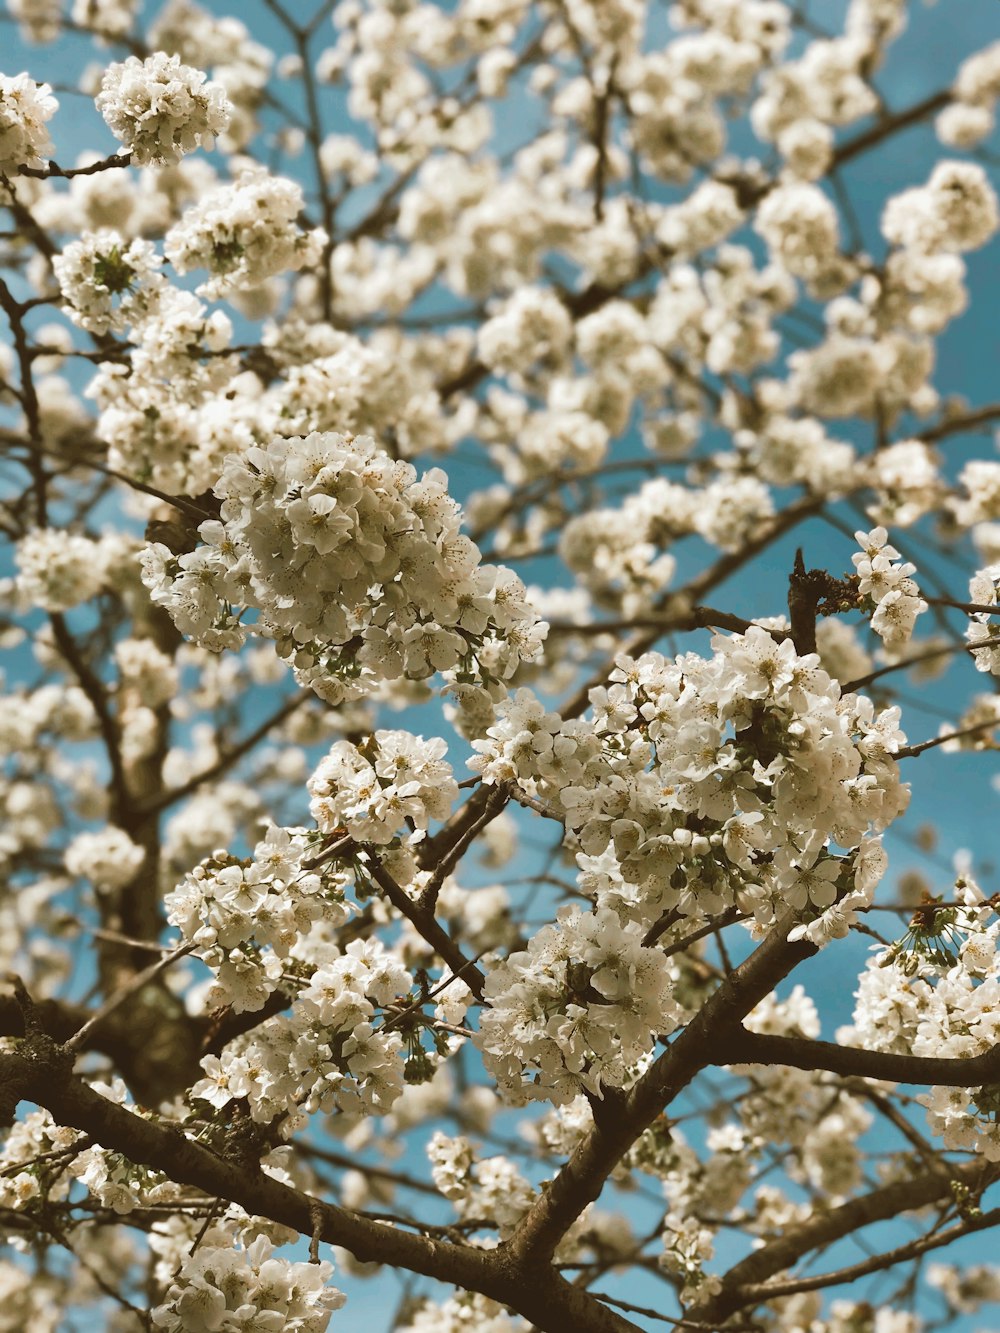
(552, 1304)
(756, 1048)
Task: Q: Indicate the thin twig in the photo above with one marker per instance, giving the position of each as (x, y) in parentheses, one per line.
(126, 992)
(911, 751)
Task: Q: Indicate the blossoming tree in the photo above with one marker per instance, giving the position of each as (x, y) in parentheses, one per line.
(453, 369)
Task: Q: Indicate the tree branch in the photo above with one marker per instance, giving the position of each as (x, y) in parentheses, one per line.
(582, 1178)
(426, 924)
(549, 1301)
(741, 1285)
(757, 1048)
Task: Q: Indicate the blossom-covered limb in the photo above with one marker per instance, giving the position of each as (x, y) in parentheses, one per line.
(878, 1263)
(822, 1229)
(550, 1302)
(582, 1178)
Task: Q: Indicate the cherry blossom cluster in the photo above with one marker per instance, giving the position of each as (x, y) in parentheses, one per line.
(25, 106)
(173, 416)
(460, 1313)
(221, 1287)
(373, 793)
(907, 481)
(356, 567)
(108, 858)
(106, 18)
(36, 1134)
(532, 325)
(687, 1245)
(799, 224)
(719, 782)
(244, 234)
(164, 418)
(108, 283)
(616, 553)
(116, 1182)
(970, 117)
(59, 570)
(160, 109)
(577, 1010)
(965, 1288)
(327, 1053)
(42, 20)
(956, 210)
(887, 586)
(979, 500)
(982, 629)
(244, 916)
(269, 923)
(824, 87)
(937, 993)
(484, 1187)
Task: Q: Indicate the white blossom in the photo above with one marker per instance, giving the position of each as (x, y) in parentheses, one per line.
(109, 858)
(385, 585)
(887, 585)
(799, 224)
(25, 106)
(244, 234)
(956, 210)
(108, 283)
(373, 794)
(160, 109)
(58, 570)
(217, 1285)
